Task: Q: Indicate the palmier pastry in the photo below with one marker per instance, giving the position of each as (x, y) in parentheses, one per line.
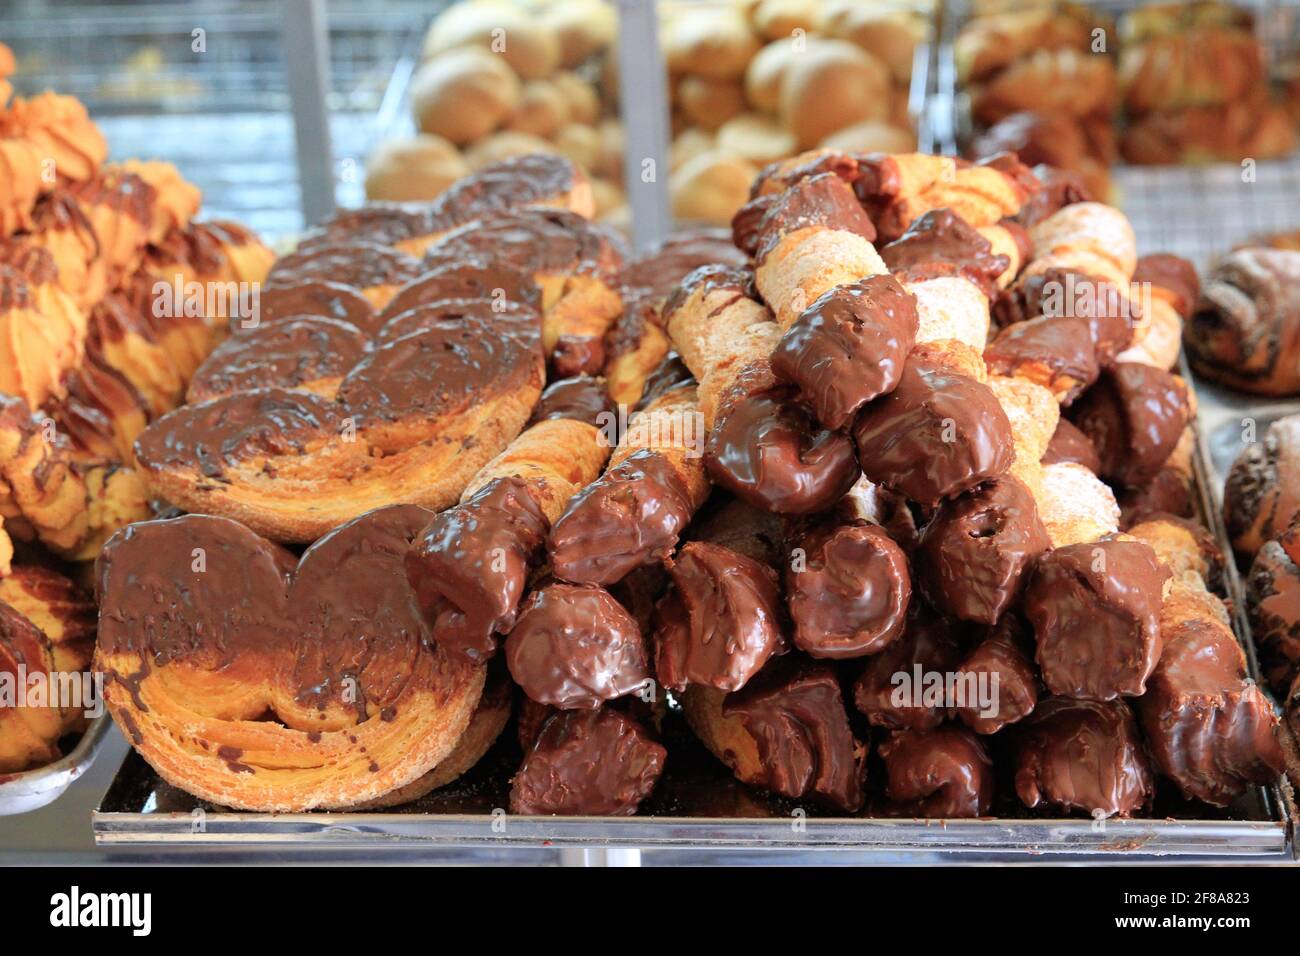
(376, 271)
(291, 463)
(1273, 603)
(330, 647)
(59, 607)
(944, 772)
(1245, 330)
(1262, 494)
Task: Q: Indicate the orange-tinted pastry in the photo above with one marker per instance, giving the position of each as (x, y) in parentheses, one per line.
(37, 345)
(62, 132)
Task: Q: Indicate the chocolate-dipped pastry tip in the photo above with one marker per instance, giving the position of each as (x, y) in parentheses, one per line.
(576, 647)
(1173, 277)
(768, 449)
(823, 200)
(1095, 610)
(941, 243)
(469, 567)
(976, 549)
(581, 398)
(847, 589)
(1004, 662)
(587, 763)
(1070, 444)
(1058, 293)
(1209, 727)
(1057, 353)
(940, 773)
(631, 516)
(849, 346)
(669, 374)
(934, 436)
(721, 622)
(794, 712)
(1083, 755)
(1060, 188)
(1134, 416)
(1273, 603)
(908, 685)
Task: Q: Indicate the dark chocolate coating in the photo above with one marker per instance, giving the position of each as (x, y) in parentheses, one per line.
(849, 592)
(576, 647)
(536, 242)
(1084, 755)
(330, 300)
(795, 712)
(353, 263)
(768, 449)
(1134, 416)
(1062, 293)
(289, 353)
(385, 223)
(1060, 188)
(499, 283)
(1209, 727)
(722, 620)
(1068, 444)
(1095, 610)
(1003, 655)
(891, 693)
(848, 347)
(936, 435)
(1176, 276)
(976, 549)
(654, 274)
(470, 565)
(824, 200)
(581, 399)
(1273, 603)
(941, 773)
(669, 374)
(506, 186)
(507, 318)
(631, 516)
(941, 243)
(1061, 347)
(1170, 492)
(587, 763)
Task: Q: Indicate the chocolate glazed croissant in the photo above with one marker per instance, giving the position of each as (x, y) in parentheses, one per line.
(329, 647)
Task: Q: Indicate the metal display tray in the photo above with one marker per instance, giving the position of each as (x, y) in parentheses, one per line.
(699, 807)
(33, 789)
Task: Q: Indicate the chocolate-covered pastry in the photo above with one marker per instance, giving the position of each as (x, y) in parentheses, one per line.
(668, 374)
(1273, 603)
(1134, 416)
(936, 435)
(1065, 294)
(1003, 661)
(1095, 610)
(332, 300)
(1070, 444)
(587, 763)
(1083, 755)
(1057, 353)
(944, 772)
(1261, 496)
(722, 620)
(576, 647)
(941, 243)
(767, 448)
(904, 686)
(849, 346)
(469, 566)
(356, 264)
(977, 547)
(581, 398)
(849, 590)
(535, 179)
(1172, 278)
(1209, 727)
(1169, 492)
(824, 200)
(794, 712)
(499, 282)
(513, 319)
(310, 353)
(1060, 188)
(632, 515)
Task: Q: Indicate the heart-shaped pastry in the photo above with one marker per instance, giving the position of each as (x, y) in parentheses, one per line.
(263, 683)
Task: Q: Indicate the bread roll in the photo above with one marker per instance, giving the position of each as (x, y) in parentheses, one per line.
(765, 70)
(688, 144)
(832, 85)
(506, 144)
(871, 136)
(542, 109)
(774, 19)
(463, 95)
(580, 143)
(710, 103)
(579, 95)
(420, 167)
(709, 41)
(757, 138)
(529, 45)
(583, 28)
(711, 187)
(889, 35)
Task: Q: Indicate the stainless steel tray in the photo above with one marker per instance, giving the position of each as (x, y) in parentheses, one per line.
(33, 789)
(698, 806)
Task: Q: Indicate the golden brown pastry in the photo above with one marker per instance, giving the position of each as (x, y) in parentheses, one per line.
(527, 45)
(62, 132)
(37, 345)
(463, 94)
(831, 85)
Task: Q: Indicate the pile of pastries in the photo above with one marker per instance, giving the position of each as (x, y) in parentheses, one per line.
(908, 431)
(104, 316)
(1168, 83)
(749, 82)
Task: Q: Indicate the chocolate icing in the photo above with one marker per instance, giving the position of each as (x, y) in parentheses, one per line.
(330, 300)
(1134, 416)
(668, 374)
(707, 280)
(1004, 652)
(746, 224)
(849, 593)
(631, 516)
(383, 223)
(504, 187)
(581, 399)
(1083, 755)
(358, 265)
(1058, 353)
(535, 242)
(767, 448)
(976, 549)
(576, 647)
(945, 772)
(1070, 444)
(1170, 491)
(794, 711)
(1174, 275)
(1273, 601)
(848, 347)
(587, 763)
(1095, 610)
(653, 275)
(941, 243)
(500, 284)
(1063, 293)
(1060, 188)
(778, 176)
(1209, 727)
(290, 354)
(722, 620)
(936, 435)
(508, 318)
(824, 200)
(929, 643)
(470, 565)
